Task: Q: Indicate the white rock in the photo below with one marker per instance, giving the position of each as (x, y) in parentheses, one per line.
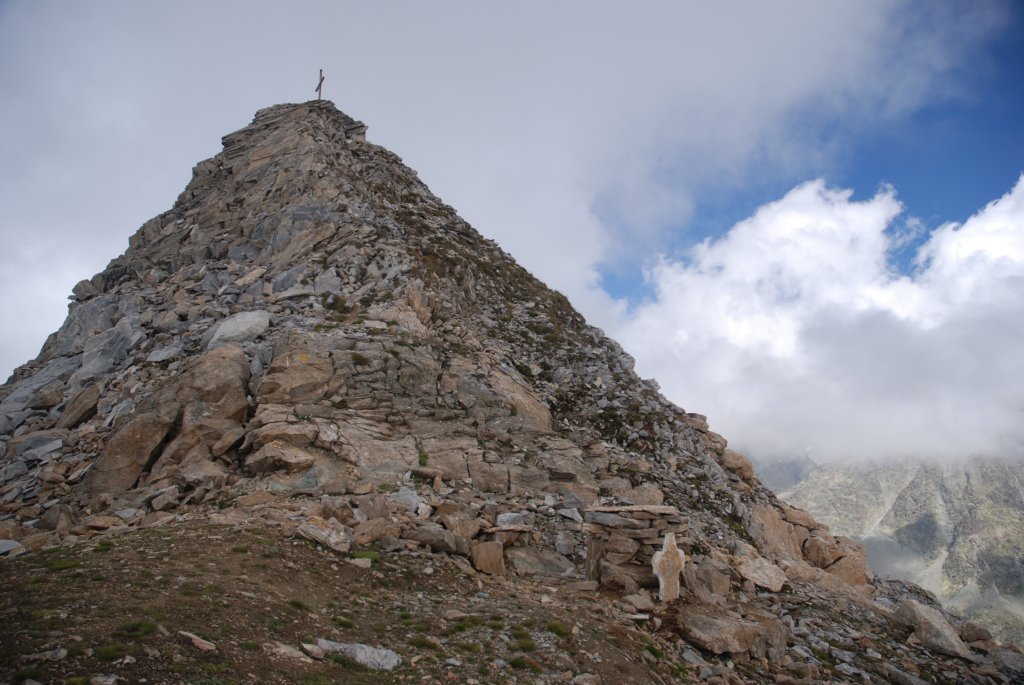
(371, 657)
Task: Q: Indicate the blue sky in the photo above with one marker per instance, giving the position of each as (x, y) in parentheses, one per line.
(946, 159)
(717, 185)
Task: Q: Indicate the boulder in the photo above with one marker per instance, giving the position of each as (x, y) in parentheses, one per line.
(722, 631)
(129, 451)
(82, 407)
(738, 464)
(330, 533)
(714, 576)
(239, 328)
(761, 572)
(488, 557)
(932, 629)
(529, 561)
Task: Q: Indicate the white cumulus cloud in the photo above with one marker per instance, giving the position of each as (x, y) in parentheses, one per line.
(796, 333)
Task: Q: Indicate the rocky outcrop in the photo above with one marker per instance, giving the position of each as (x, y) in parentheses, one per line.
(311, 342)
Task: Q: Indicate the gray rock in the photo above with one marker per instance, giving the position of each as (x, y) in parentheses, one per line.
(164, 354)
(327, 282)
(8, 545)
(511, 518)
(102, 351)
(287, 279)
(85, 289)
(407, 499)
(529, 561)
(239, 328)
(372, 657)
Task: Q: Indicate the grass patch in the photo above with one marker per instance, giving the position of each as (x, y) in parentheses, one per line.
(523, 663)
(655, 652)
(347, 662)
(360, 359)
(28, 673)
(343, 622)
(103, 546)
(558, 629)
(371, 554)
(251, 646)
(422, 642)
(524, 646)
(62, 564)
(298, 604)
(112, 651)
(135, 629)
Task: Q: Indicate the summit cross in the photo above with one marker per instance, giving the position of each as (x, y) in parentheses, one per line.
(320, 85)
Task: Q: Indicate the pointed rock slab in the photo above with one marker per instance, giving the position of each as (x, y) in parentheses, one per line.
(932, 628)
(668, 566)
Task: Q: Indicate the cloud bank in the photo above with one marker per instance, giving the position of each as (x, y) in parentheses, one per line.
(579, 135)
(797, 333)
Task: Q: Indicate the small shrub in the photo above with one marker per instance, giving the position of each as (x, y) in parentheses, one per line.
(343, 622)
(298, 604)
(423, 458)
(251, 646)
(360, 359)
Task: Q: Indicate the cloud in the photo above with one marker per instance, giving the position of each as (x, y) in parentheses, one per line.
(796, 334)
(577, 134)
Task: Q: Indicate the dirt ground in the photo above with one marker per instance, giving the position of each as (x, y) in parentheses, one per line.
(117, 605)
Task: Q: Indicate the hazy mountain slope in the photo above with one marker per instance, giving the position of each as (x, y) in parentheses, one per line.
(955, 529)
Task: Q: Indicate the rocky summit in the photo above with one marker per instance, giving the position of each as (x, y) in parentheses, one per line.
(311, 427)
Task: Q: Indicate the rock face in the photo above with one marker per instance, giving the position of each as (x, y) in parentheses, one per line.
(956, 529)
(309, 340)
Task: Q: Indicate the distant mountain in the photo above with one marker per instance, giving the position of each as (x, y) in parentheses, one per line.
(955, 529)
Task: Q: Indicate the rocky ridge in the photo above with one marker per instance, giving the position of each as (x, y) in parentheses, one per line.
(310, 342)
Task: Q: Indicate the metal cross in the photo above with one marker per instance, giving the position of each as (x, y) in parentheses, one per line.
(320, 86)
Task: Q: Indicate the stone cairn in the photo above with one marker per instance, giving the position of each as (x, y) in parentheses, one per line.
(622, 541)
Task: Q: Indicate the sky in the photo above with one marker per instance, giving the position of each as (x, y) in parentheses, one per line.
(804, 219)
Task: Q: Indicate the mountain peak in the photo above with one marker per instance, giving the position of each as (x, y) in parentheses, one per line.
(310, 342)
